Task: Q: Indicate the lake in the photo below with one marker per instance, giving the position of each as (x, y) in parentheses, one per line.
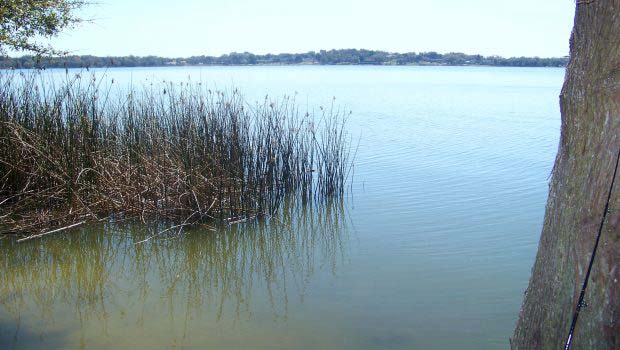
(431, 248)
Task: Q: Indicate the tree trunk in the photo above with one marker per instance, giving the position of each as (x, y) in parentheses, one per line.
(582, 176)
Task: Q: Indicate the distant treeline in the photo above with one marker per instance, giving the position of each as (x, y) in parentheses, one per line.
(323, 57)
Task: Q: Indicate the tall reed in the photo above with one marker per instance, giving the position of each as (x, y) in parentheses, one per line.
(82, 150)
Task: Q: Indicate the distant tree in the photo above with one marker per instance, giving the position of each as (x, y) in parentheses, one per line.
(22, 21)
(346, 56)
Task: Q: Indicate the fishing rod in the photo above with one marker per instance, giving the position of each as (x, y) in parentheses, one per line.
(581, 303)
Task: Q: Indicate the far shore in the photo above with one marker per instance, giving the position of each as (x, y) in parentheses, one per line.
(348, 57)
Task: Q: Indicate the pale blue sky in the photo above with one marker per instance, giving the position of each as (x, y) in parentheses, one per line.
(206, 27)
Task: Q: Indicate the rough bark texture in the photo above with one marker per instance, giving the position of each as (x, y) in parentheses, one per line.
(589, 144)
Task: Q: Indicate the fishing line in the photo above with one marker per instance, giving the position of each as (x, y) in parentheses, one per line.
(581, 302)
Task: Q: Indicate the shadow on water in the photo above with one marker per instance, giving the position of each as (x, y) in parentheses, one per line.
(15, 335)
(90, 288)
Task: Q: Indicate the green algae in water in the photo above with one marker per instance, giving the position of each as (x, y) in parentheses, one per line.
(98, 288)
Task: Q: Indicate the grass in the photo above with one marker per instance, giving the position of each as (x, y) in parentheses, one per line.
(82, 150)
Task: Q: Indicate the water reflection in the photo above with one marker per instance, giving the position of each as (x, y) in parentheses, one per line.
(93, 287)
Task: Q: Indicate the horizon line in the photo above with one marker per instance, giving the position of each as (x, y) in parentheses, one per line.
(75, 54)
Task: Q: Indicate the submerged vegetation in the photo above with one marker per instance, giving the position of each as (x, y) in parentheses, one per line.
(100, 276)
(83, 150)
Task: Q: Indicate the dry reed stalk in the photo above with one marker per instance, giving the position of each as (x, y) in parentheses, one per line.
(76, 152)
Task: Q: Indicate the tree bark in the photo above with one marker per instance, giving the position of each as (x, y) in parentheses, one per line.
(582, 175)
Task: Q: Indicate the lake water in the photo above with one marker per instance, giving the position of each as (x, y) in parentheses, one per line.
(432, 248)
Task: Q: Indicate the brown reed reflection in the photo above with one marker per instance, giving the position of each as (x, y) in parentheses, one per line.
(101, 274)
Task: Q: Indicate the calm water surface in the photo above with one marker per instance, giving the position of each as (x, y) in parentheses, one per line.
(432, 249)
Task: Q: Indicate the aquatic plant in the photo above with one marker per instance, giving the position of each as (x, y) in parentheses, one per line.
(101, 277)
(82, 150)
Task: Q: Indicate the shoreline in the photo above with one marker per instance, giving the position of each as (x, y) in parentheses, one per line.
(279, 65)
(332, 57)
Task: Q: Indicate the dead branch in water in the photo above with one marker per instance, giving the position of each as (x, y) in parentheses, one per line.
(50, 232)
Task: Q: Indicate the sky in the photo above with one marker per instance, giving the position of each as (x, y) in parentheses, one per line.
(184, 28)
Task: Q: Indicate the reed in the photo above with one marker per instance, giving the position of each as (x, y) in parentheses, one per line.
(83, 150)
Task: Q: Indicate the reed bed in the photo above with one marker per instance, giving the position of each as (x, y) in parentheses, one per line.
(84, 150)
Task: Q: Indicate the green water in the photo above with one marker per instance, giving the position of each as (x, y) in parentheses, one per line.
(98, 288)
